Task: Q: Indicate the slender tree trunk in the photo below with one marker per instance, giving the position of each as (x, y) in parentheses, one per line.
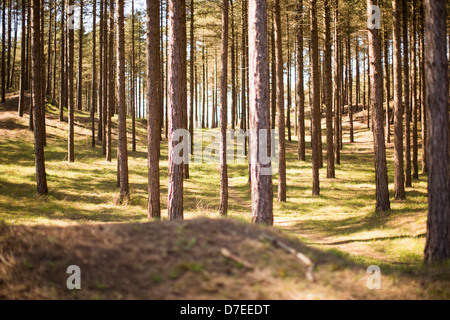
(300, 84)
(233, 69)
(23, 63)
(414, 92)
(289, 100)
(36, 99)
(192, 81)
(70, 155)
(121, 103)
(100, 82)
(94, 73)
(350, 85)
(223, 112)
(376, 83)
(315, 95)
(4, 52)
(133, 71)
(177, 103)
(337, 85)
(274, 72)
(423, 91)
(80, 59)
(262, 192)
(388, 84)
(328, 91)
(437, 245)
(399, 181)
(406, 95)
(153, 108)
(62, 78)
(280, 106)
(112, 88)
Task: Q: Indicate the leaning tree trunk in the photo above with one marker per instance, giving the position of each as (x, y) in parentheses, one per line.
(437, 245)
(261, 184)
(376, 101)
(153, 108)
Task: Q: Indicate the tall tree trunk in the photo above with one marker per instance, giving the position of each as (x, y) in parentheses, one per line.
(80, 59)
(388, 84)
(289, 102)
(23, 63)
(177, 105)
(437, 245)
(280, 106)
(94, 73)
(262, 192)
(100, 82)
(153, 108)
(274, 72)
(48, 90)
(406, 95)
(328, 91)
(133, 71)
(112, 88)
(423, 92)
(223, 112)
(4, 52)
(300, 84)
(192, 101)
(36, 61)
(337, 85)
(315, 95)
(414, 92)
(233, 69)
(376, 83)
(399, 181)
(121, 103)
(71, 106)
(62, 78)
(350, 84)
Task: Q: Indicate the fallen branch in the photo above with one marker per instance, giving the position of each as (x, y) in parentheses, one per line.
(300, 256)
(228, 254)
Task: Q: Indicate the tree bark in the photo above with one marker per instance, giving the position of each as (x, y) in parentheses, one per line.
(36, 62)
(177, 99)
(223, 112)
(261, 185)
(121, 103)
(376, 83)
(315, 96)
(437, 245)
(406, 95)
(153, 108)
(399, 181)
(94, 73)
(328, 91)
(280, 106)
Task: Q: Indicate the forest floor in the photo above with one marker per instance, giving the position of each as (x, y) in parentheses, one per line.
(122, 255)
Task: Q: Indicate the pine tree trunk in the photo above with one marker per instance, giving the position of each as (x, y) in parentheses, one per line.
(414, 93)
(192, 81)
(261, 185)
(437, 245)
(94, 74)
(315, 96)
(62, 78)
(121, 103)
(36, 62)
(70, 155)
(177, 99)
(376, 101)
(133, 72)
(388, 84)
(280, 106)
(223, 112)
(80, 59)
(300, 84)
(112, 88)
(3, 52)
(23, 63)
(328, 91)
(337, 86)
(406, 95)
(399, 181)
(153, 108)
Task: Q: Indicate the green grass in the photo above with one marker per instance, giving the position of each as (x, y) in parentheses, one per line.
(342, 218)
